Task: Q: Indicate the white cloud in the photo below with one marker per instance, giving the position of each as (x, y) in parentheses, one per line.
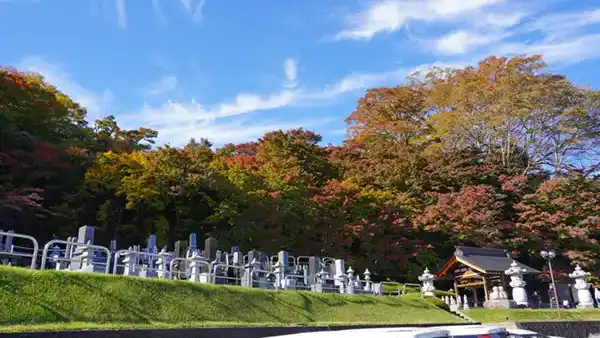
(121, 13)
(224, 122)
(358, 81)
(391, 15)
(291, 73)
(195, 8)
(564, 51)
(164, 85)
(463, 41)
(94, 103)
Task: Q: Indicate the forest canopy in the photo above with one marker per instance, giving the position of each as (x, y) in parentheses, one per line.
(502, 154)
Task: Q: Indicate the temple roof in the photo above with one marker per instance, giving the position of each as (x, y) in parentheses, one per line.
(483, 260)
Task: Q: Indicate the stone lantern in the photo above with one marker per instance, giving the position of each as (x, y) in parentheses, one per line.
(583, 288)
(367, 275)
(427, 279)
(517, 283)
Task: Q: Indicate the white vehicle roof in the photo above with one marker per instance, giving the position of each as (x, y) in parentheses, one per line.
(403, 332)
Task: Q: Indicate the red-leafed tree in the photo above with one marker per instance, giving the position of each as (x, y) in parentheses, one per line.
(473, 216)
(564, 215)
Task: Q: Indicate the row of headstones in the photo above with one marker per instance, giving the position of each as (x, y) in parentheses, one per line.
(196, 265)
(214, 266)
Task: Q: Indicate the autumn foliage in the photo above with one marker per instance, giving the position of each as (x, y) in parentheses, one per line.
(502, 154)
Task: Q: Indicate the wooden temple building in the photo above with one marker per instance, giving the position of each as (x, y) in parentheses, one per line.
(479, 268)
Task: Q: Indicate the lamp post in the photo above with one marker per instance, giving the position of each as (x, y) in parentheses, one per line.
(549, 256)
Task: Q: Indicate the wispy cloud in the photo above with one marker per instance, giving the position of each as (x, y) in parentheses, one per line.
(234, 120)
(291, 73)
(463, 41)
(95, 103)
(163, 85)
(121, 13)
(563, 51)
(483, 27)
(194, 8)
(160, 15)
(391, 15)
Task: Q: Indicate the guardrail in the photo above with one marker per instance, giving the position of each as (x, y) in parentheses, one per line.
(89, 246)
(33, 256)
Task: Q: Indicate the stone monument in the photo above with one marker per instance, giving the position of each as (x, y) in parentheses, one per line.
(498, 299)
(427, 279)
(583, 288)
(519, 295)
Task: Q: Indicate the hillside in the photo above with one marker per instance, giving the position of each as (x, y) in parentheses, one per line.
(93, 300)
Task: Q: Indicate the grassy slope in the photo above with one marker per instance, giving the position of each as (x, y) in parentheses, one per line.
(47, 297)
(531, 315)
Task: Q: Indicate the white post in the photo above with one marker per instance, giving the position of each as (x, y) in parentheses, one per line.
(129, 262)
(143, 271)
(161, 262)
(279, 275)
(517, 283)
(465, 302)
(350, 279)
(86, 260)
(367, 280)
(427, 278)
(583, 288)
(195, 268)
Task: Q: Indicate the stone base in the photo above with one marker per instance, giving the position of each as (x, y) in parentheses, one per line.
(500, 304)
(585, 306)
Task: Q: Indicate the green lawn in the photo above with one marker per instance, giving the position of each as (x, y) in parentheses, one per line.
(63, 300)
(531, 315)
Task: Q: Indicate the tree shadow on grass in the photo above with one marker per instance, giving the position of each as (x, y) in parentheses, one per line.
(274, 299)
(12, 290)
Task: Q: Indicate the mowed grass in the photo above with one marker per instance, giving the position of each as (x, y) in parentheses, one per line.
(532, 315)
(32, 299)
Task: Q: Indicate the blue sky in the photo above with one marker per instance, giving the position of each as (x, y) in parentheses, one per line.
(231, 70)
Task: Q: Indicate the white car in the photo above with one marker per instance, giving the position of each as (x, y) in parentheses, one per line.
(462, 331)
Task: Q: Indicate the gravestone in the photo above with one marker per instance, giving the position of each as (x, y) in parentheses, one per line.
(180, 251)
(263, 260)
(210, 249)
(85, 235)
(283, 257)
(313, 267)
(340, 271)
(192, 241)
(112, 246)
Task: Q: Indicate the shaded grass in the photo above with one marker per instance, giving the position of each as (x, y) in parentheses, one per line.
(31, 297)
(531, 315)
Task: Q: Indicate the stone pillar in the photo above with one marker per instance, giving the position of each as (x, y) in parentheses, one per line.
(341, 282)
(367, 275)
(279, 275)
(350, 276)
(162, 261)
(465, 302)
(195, 268)
(517, 283)
(340, 272)
(143, 271)
(86, 260)
(427, 279)
(129, 261)
(583, 288)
